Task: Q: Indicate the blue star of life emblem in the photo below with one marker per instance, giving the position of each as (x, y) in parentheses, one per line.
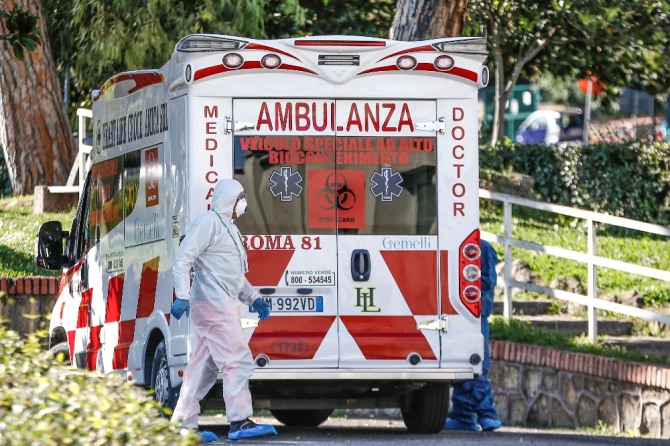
(286, 184)
(386, 184)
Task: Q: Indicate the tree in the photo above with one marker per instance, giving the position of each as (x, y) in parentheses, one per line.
(428, 19)
(608, 39)
(370, 18)
(35, 133)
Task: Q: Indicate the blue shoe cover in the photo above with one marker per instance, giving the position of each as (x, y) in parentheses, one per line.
(207, 436)
(453, 424)
(256, 431)
(490, 424)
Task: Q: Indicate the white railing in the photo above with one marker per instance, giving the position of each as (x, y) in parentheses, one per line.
(79, 165)
(590, 258)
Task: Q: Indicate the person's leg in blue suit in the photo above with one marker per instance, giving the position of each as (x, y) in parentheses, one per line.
(472, 404)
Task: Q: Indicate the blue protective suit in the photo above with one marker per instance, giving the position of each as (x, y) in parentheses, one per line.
(472, 401)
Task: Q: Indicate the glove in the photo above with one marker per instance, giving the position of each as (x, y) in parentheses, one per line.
(262, 307)
(178, 308)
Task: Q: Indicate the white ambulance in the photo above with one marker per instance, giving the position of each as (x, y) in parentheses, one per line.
(359, 158)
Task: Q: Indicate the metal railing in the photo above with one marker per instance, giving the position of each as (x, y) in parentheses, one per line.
(590, 258)
(79, 165)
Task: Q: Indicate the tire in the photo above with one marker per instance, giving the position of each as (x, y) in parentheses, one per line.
(301, 418)
(164, 393)
(61, 348)
(428, 409)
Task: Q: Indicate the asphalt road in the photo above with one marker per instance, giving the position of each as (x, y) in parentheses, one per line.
(373, 432)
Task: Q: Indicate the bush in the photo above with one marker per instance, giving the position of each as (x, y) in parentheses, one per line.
(628, 179)
(43, 402)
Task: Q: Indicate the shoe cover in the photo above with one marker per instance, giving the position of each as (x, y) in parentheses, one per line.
(490, 424)
(207, 436)
(256, 431)
(453, 424)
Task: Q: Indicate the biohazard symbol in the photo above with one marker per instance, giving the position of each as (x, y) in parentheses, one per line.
(336, 194)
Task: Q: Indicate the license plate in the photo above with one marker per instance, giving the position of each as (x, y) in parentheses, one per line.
(295, 304)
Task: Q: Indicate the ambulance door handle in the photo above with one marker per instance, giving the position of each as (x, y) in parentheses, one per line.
(360, 265)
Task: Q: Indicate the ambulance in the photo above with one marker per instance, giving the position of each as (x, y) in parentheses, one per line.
(359, 157)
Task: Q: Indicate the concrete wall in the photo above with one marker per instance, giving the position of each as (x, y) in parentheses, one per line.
(539, 386)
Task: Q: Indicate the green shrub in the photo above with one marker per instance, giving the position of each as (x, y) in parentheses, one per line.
(522, 332)
(43, 402)
(628, 179)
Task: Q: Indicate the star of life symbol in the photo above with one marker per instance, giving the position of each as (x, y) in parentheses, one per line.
(386, 184)
(285, 183)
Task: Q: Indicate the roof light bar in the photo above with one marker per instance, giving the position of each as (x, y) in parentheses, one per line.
(340, 43)
(204, 43)
(473, 46)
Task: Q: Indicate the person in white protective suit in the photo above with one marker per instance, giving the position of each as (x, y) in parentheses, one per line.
(213, 248)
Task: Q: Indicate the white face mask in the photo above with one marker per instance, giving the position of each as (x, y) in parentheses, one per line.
(241, 207)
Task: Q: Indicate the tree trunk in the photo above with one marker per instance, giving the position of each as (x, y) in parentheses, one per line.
(428, 19)
(35, 132)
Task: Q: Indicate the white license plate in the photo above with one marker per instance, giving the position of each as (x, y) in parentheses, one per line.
(295, 304)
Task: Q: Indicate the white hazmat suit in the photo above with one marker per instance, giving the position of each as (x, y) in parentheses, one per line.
(214, 249)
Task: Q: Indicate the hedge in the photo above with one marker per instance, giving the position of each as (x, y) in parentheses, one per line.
(627, 179)
(43, 402)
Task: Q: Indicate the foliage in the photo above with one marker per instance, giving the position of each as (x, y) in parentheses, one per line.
(44, 402)
(622, 43)
(370, 18)
(95, 40)
(18, 231)
(22, 30)
(628, 179)
(515, 330)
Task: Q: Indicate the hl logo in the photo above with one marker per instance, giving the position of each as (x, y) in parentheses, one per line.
(366, 300)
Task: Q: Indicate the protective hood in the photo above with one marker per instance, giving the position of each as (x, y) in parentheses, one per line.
(224, 196)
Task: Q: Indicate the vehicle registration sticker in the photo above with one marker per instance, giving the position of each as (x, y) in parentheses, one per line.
(295, 304)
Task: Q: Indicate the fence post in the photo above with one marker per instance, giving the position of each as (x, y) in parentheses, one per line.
(507, 220)
(592, 280)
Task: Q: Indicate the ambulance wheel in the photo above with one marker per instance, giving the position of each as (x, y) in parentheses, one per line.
(62, 348)
(164, 393)
(428, 409)
(301, 418)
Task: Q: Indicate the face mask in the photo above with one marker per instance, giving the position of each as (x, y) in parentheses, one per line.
(241, 207)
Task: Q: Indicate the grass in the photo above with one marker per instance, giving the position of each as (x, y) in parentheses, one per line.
(516, 330)
(18, 232)
(565, 232)
(19, 226)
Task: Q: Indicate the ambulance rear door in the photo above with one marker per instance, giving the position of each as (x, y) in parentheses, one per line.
(284, 156)
(386, 209)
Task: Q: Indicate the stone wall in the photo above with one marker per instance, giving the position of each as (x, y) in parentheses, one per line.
(539, 386)
(26, 302)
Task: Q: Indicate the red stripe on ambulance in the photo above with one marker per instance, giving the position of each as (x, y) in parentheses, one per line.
(290, 337)
(126, 335)
(387, 337)
(147, 298)
(114, 296)
(93, 348)
(266, 266)
(414, 273)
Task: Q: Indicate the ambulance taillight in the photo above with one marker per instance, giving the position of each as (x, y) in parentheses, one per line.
(470, 255)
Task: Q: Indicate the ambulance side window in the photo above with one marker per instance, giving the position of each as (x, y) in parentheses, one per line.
(106, 197)
(78, 241)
